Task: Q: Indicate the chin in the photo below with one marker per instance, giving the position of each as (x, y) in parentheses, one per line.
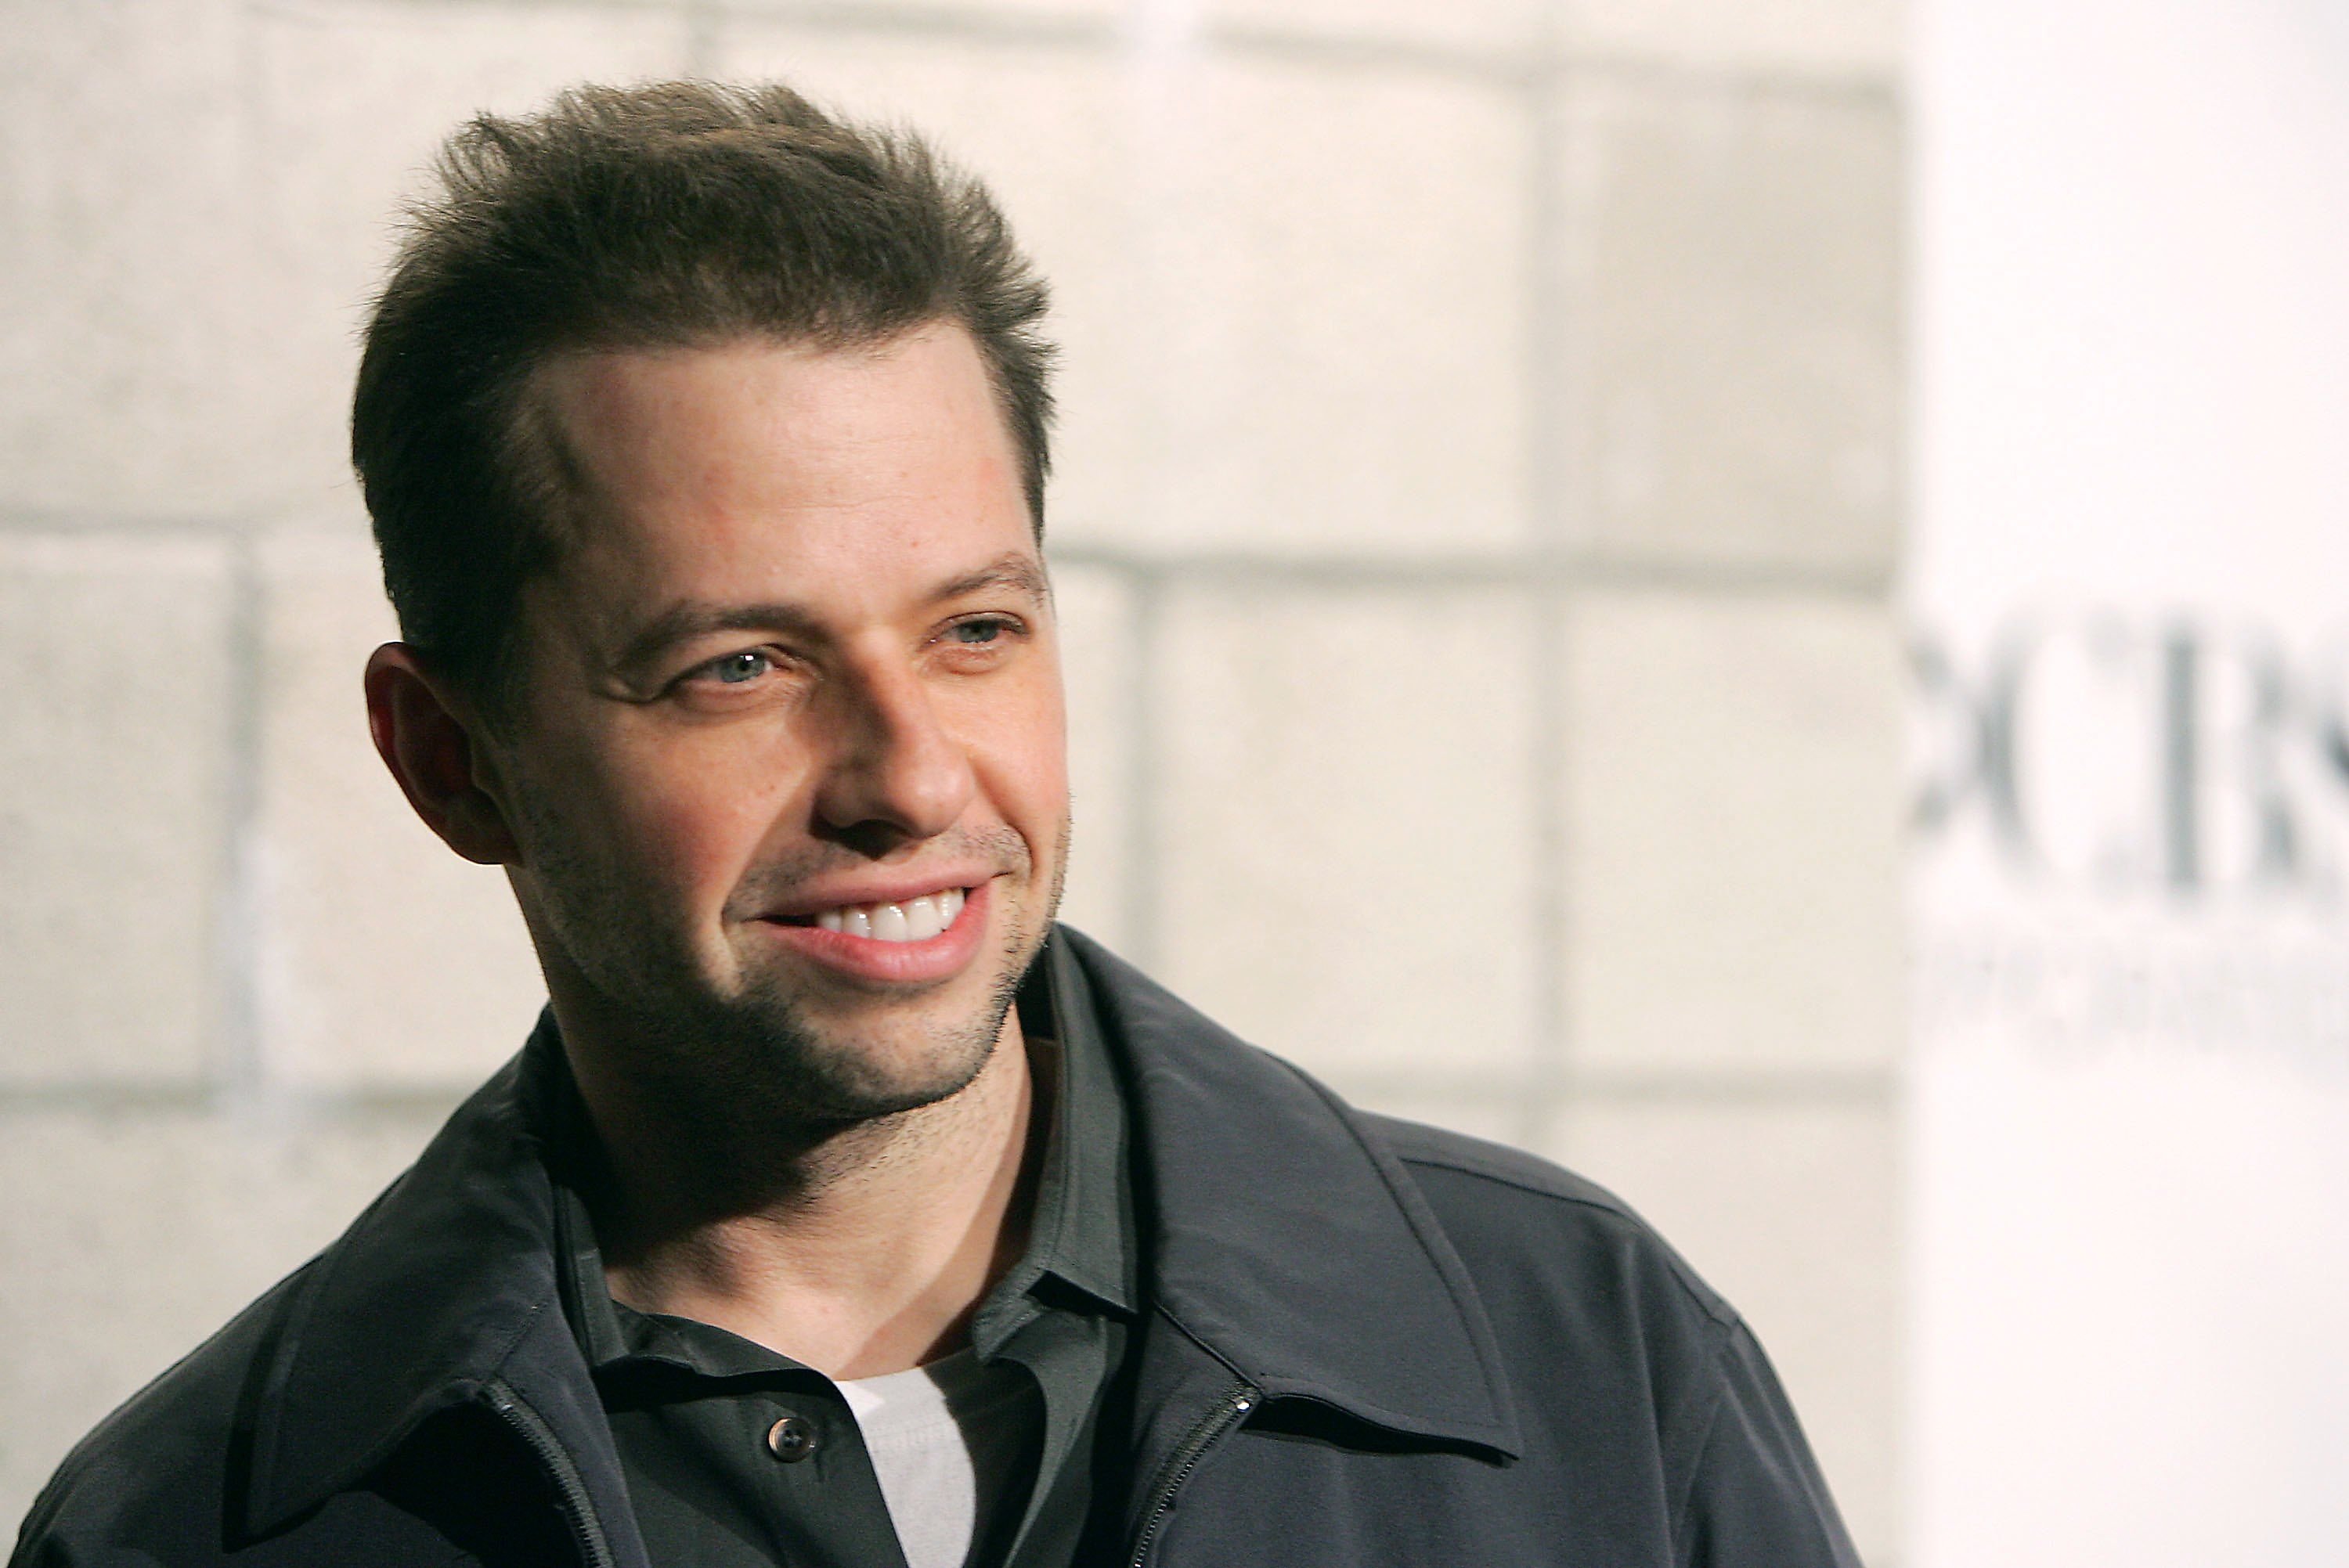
(879, 1073)
(774, 1060)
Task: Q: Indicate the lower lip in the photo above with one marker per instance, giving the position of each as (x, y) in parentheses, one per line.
(920, 963)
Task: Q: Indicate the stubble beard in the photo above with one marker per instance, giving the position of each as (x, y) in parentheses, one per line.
(750, 1062)
(762, 1054)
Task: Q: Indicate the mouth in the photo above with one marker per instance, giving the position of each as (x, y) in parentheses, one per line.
(915, 939)
(906, 920)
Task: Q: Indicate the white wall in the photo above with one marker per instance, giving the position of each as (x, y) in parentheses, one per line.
(2130, 569)
(1474, 519)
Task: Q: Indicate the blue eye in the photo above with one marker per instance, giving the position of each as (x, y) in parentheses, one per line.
(735, 669)
(969, 632)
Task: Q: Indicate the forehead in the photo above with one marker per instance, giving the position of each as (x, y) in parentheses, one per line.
(757, 467)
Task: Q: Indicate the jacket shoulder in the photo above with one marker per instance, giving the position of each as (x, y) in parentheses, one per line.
(1614, 1345)
(1488, 1195)
(1417, 1143)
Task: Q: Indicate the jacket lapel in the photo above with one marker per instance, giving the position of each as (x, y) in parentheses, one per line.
(1287, 1246)
(444, 1284)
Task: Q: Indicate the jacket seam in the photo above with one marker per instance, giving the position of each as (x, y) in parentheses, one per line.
(388, 1442)
(1514, 1184)
(1719, 1311)
(278, 1378)
(1717, 1394)
(1192, 1334)
(513, 1341)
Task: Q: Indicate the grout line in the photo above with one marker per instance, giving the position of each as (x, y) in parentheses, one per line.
(1625, 67)
(237, 937)
(1802, 1085)
(1860, 1087)
(1544, 564)
(1543, 567)
(1499, 64)
(702, 49)
(946, 23)
(1599, 1086)
(1517, 68)
(1145, 774)
(236, 1066)
(187, 1095)
(1517, 63)
(117, 525)
(258, 519)
(1552, 915)
(295, 1104)
(1548, 319)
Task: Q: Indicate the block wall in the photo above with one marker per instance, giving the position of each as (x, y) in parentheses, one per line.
(1479, 486)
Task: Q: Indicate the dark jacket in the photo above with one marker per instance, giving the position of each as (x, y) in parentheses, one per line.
(1368, 1342)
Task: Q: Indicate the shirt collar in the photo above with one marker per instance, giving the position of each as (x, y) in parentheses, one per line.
(1081, 1231)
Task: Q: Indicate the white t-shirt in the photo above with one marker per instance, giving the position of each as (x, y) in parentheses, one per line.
(946, 1439)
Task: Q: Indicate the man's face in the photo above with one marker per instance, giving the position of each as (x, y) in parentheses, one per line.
(788, 772)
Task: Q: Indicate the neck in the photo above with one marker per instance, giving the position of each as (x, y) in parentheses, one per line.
(857, 1250)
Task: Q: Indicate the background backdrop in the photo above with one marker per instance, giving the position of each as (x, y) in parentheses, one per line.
(2129, 580)
(1480, 476)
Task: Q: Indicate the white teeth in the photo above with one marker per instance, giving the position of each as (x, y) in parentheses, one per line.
(915, 920)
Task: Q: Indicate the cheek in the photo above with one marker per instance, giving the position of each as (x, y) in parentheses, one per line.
(1023, 754)
(705, 812)
(685, 818)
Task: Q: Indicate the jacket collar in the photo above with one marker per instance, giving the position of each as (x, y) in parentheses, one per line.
(1276, 1235)
(443, 1287)
(1286, 1243)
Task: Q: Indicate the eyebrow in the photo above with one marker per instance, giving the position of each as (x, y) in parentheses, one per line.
(692, 618)
(1014, 569)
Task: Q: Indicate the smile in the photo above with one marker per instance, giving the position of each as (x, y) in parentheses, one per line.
(915, 920)
(913, 939)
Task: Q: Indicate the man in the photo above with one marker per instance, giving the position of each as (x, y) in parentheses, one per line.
(843, 1209)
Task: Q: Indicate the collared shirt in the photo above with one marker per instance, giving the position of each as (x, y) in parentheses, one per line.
(738, 1456)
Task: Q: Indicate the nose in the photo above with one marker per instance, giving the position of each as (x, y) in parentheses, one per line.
(898, 774)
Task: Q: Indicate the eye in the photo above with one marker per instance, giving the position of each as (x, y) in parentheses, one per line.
(980, 630)
(738, 668)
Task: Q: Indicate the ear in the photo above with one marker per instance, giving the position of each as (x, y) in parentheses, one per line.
(424, 736)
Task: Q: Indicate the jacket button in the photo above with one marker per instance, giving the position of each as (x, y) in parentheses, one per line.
(791, 1439)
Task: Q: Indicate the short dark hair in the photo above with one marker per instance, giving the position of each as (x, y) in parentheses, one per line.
(677, 213)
